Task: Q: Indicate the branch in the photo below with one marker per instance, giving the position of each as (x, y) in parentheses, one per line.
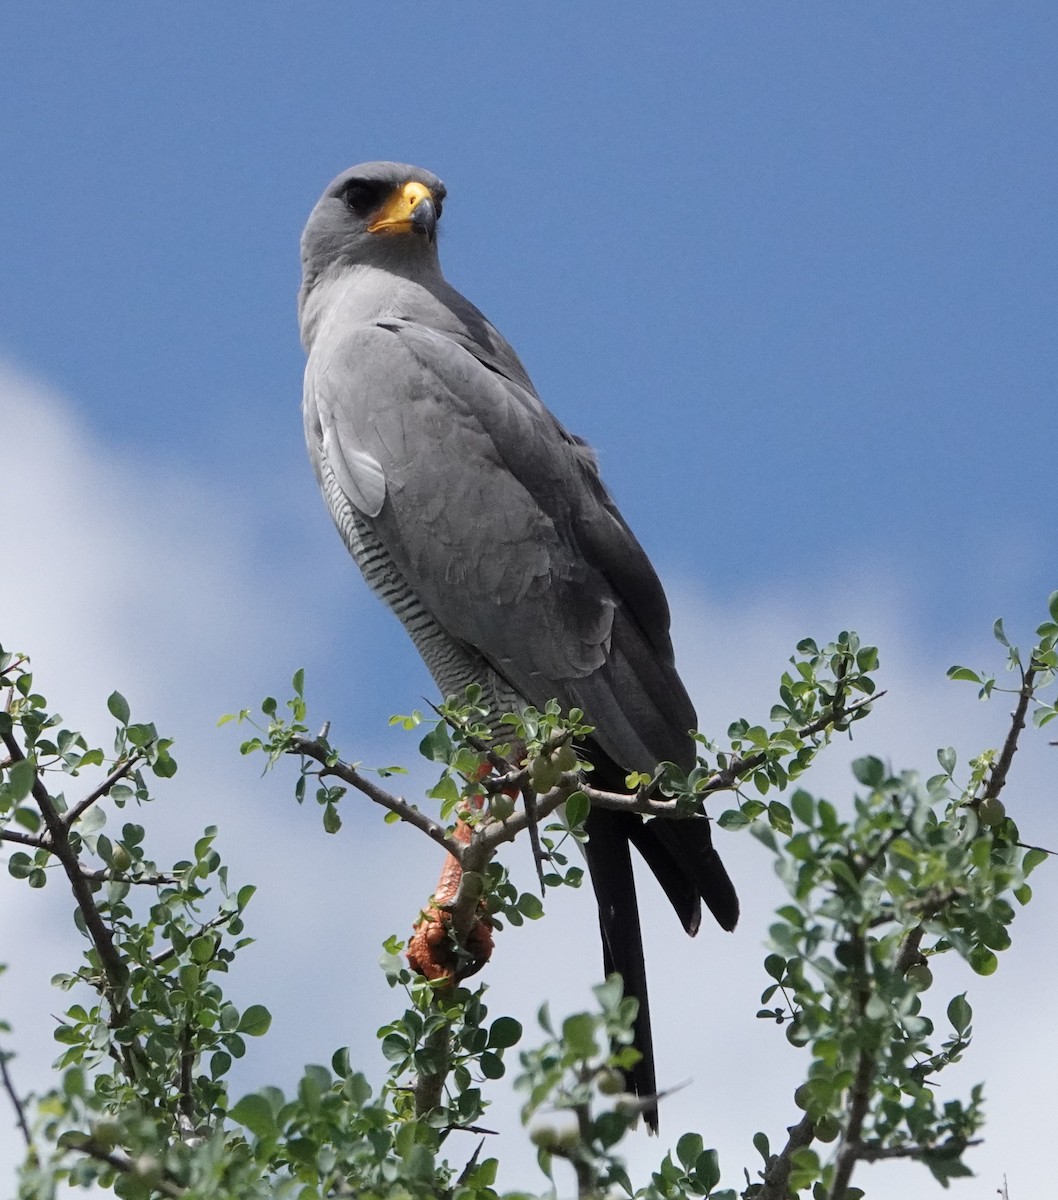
(874, 1152)
(998, 776)
(125, 1165)
(106, 875)
(163, 956)
(23, 839)
(429, 1085)
(851, 1149)
(860, 1090)
(778, 1172)
(20, 1112)
(394, 804)
(909, 952)
(98, 793)
(725, 780)
(102, 939)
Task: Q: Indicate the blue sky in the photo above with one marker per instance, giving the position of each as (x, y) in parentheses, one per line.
(790, 268)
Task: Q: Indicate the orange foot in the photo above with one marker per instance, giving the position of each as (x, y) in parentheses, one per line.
(432, 951)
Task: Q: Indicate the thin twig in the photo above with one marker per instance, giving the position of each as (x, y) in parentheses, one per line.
(126, 1166)
(998, 776)
(103, 789)
(1041, 849)
(395, 804)
(163, 956)
(873, 1152)
(20, 1112)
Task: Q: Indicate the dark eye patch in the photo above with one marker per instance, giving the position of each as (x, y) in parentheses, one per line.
(362, 197)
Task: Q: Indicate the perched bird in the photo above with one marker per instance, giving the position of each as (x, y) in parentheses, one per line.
(486, 528)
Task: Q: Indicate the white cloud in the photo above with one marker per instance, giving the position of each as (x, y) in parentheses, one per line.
(121, 572)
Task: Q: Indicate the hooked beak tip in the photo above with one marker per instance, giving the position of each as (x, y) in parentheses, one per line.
(424, 218)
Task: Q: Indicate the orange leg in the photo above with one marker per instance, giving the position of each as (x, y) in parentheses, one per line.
(430, 950)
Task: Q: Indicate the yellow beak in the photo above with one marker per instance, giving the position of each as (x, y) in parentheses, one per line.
(395, 216)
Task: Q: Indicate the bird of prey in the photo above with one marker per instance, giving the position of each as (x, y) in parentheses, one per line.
(485, 526)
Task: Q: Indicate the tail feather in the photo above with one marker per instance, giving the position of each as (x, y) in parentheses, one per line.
(683, 850)
(680, 855)
(610, 867)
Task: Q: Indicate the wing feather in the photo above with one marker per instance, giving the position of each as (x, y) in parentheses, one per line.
(497, 518)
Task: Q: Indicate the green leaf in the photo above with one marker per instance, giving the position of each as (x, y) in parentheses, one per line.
(983, 961)
(255, 1021)
(1052, 606)
(775, 966)
(19, 865)
(254, 1113)
(20, 778)
(779, 817)
(999, 634)
(436, 746)
(530, 906)
(491, 1065)
(395, 1047)
(732, 820)
(960, 1014)
(707, 1168)
(332, 822)
(577, 808)
(504, 1032)
(1032, 860)
(804, 806)
(964, 673)
(578, 1033)
(118, 707)
(688, 1148)
(869, 771)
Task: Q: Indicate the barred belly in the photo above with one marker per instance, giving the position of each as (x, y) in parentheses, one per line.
(453, 664)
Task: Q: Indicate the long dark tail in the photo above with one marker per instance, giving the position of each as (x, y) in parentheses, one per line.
(681, 856)
(610, 867)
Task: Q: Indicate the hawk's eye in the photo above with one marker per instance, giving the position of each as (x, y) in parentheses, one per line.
(361, 197)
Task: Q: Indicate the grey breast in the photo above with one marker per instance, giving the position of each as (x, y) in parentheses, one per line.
(453, 665)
